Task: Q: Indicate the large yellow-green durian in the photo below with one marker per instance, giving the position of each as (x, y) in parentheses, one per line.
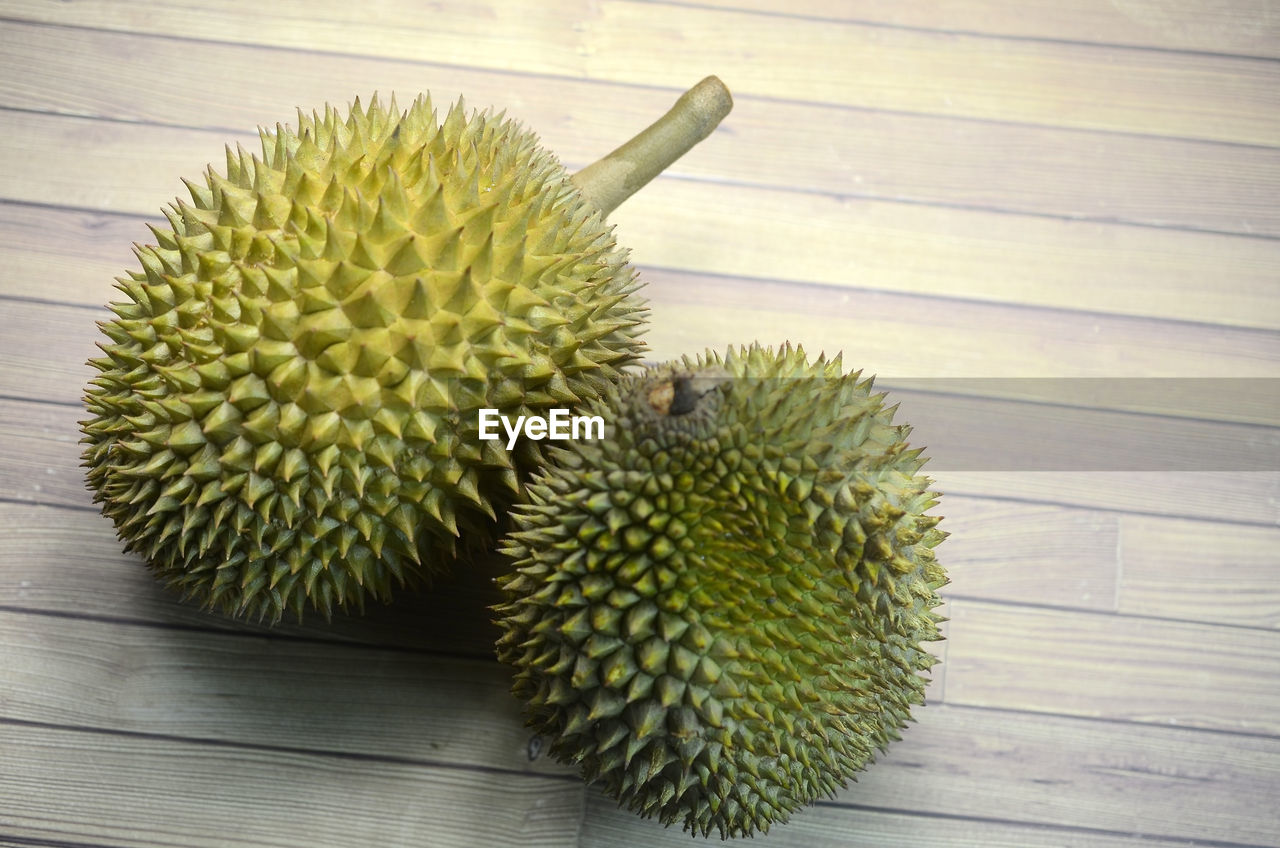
(286, 412)
(717, 609)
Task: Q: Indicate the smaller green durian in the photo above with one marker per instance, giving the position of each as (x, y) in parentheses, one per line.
(717, 610)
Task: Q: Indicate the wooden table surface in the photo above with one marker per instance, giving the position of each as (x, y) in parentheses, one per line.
(1022, 191)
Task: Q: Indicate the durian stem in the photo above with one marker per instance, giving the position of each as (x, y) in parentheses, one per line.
(610, 181)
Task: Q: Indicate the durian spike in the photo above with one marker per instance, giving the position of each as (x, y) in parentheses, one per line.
(610, 181)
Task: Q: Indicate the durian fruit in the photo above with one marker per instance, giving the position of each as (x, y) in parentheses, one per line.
(286, 413)
(717, 610)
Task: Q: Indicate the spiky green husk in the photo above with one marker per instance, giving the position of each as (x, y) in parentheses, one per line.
(717, 609)
(286, 411)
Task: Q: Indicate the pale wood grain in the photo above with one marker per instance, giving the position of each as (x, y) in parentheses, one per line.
(40, 462)
(1250, 498)
(46, 348)
(964, 433)
(69, 562)
(1220, 98)
(1237, 27)
(67, 255)
(764, 142)
(866, 244)
(1030, 553)
(902, 337)
(1109, 666)
(1112, 776)
(128, 791)
(1200, 572)
(64, 162)
(771, 233)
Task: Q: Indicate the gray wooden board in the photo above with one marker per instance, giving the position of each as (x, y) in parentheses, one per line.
(1111, 666)
(63, 785)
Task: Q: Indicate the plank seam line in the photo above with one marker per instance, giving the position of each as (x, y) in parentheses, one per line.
(635, 86)
(41, 842)
(88, 210)
(62, 404)
(959, 299)
(1115, 602)
(263, 747)
(227, 628)
(8, 501)
(1043, 826)
(1269, 525)
(889, 385)
(1103, 720)
(1105, 613)
(674, 175)
(240, 136)
(991, 36)
(45, 301)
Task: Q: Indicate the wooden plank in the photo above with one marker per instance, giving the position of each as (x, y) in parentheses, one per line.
(902, 338)
(973, 255)
(1114, 666)
(829, 825)
(1219, 98)
(264, 691)
(48, 359)
(725, 229)
(1200, 572)
(1250, 498)
(1029, 553)
(964, 433)
(788, 145)
(68, 255)
(69, 562)
(1239, 27)
(1112, 776)
(68, 786)
(41, 460)
(147, 163)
